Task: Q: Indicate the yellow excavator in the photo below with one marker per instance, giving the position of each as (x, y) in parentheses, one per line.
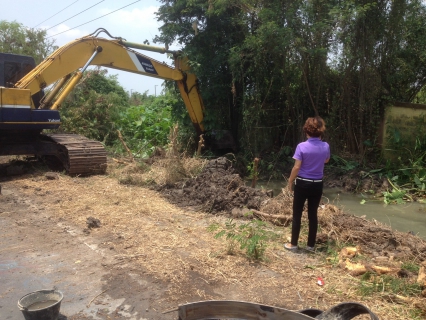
(25, 111)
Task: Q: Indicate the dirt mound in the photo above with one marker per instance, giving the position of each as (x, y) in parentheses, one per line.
(375, 238)
(218, 188)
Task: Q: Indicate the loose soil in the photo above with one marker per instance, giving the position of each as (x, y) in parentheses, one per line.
(218, 188)
(134, 252)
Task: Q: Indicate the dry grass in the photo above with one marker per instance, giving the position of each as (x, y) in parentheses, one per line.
(162, 171)
(173, 245)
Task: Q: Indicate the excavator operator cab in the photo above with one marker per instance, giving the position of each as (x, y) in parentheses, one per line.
(15, 109)
(13, 67)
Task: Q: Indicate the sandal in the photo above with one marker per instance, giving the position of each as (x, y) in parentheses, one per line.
(290, 247)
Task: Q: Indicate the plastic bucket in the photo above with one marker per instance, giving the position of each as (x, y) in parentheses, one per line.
(41, 305)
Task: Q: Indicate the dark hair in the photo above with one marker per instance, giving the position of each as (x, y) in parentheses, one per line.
(314, 127)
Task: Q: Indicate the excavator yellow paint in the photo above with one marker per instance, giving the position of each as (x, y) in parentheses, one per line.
(12, 98)
(115, 54)
(21, 128)
(67, 90)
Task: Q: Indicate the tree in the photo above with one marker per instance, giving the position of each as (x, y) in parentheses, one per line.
(93, 107)
(266, 65)
(147, 125)
(208, 51)
(16, 38)
(136, 98)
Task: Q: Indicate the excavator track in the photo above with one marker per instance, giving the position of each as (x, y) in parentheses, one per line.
(79, 155)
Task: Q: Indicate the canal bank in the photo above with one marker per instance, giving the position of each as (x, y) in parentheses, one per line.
(407, 217)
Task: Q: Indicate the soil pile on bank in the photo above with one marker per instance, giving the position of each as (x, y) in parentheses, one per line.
(218, 188)
(374, 238)
(355, 180)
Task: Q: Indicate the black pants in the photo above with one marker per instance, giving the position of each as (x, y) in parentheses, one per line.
(311, 191)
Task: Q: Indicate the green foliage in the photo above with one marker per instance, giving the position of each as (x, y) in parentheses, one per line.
(406, 168)
(99, 106)
(410, 266)
(394, 196)
(16, 38)
(94, 116)
(137, 99)
(273, 162)
(179, 115)
(371, 283)
(416, 314)
(229, 232)
(251, 174)
(345, 165)
(421, 96)
(251, 236)
(218, 30)
(94, 106)
(264, 66)
(147, 126)
(99, 81)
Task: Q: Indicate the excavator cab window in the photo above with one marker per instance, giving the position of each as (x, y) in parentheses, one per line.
(12, 73)
(13, 67)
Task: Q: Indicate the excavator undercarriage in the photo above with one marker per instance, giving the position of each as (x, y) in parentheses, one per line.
(31, 95)
(76, 154)
(79, 155)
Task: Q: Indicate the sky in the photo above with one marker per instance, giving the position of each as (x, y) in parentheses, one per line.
(136, 23)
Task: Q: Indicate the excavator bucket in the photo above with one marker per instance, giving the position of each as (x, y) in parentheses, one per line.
(220, 141)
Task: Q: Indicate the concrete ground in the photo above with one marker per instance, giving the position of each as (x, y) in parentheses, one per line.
(37, 253)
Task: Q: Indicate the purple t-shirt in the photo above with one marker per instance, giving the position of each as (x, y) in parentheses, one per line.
(313, 152)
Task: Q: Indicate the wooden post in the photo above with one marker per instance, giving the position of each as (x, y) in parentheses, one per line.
(200, 145)
(173, 151)
(255, 173)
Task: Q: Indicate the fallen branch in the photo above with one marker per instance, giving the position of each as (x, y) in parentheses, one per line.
(88, 305)
(170, 310)
(125, 145)
(120, 161)
(130, 256)
(274, 218)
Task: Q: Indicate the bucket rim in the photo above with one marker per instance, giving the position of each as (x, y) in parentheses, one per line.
(61, 297)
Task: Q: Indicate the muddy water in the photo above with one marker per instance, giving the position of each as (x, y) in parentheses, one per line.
(409, 217)
(41, 305)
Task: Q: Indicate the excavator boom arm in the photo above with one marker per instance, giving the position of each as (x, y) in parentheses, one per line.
(114, 54)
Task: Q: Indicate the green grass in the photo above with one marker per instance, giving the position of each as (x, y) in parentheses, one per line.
(371, 283)
(410, 266)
